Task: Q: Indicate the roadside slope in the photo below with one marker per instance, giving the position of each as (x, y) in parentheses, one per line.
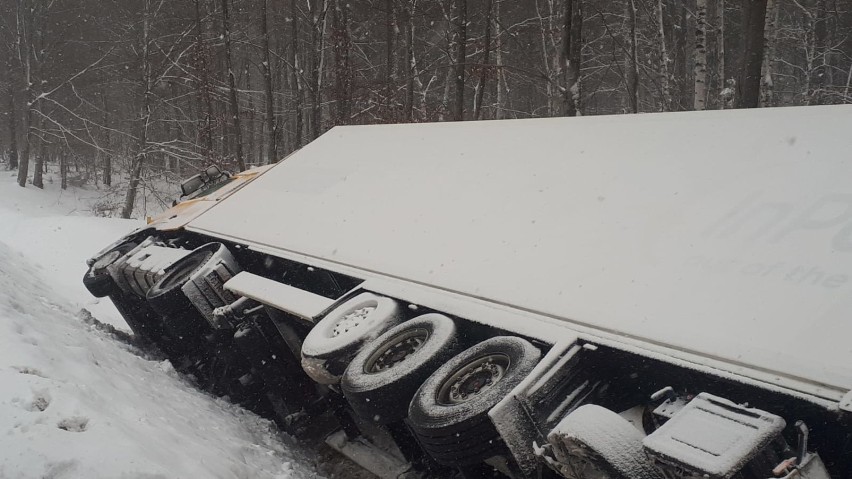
(76, 403)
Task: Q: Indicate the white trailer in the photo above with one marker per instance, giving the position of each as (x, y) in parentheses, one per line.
(706, 251)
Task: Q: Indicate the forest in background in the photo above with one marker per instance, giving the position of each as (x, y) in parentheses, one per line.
(125, 93)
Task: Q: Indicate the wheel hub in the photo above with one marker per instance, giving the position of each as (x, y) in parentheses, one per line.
(351, 320)
(396, 350)
(473, 379)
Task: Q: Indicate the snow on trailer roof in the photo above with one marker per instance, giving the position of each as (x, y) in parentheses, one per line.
(726, 234)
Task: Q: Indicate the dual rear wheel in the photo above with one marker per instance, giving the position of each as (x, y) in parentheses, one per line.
(419, 372)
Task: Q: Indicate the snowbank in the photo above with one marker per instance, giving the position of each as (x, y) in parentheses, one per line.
(55, 229)
(76, 403)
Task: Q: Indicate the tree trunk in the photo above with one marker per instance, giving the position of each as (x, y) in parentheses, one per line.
(754, 23)
(317, 13)
(572, 35)
(700, 56)
(24, 36)
(249, 112)
(485, 70)
(107, 178)
(232, 86)
(272, 147)
(665, 61)
(633, 61)
(410, 62)
(38, 171)
(818, 72)
(13, 122)
(296, 76)
(342, 73)
(461, 56)
(144, 116)
(63, 171)
(36, 52)
(203, 88)
(770, 35)
(390, 35)
(724, 94)
(502, 88)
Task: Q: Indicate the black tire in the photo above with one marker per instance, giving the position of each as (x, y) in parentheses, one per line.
(183, 325)
(97, 279)
(449, 413)
(594, 440)
(166, 296)
(383, 377)
(337, 338)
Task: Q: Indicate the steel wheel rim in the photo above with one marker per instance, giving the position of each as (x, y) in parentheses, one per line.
(352, 320)
(396, 350)
(473, 379)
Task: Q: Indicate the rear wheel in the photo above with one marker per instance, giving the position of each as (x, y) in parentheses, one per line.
(186, 330)
(449, 413)
(381, 379)
(336, 338)
(97, 279)
(596, 443)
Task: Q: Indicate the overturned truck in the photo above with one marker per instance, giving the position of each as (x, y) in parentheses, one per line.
(654, 296)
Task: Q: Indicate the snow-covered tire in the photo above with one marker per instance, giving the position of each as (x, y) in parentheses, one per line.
(166, 296)
(593, 441)
(182, 323)
(336, 338)
(449, 413)
(383, 377)
(97, 279)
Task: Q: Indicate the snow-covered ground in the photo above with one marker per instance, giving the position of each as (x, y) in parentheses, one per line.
(77, 403)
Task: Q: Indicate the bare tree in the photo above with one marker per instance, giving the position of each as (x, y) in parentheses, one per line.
(410, 61)
(754, 21)
(272, 149)
(461, 57)
(12, 117)
(720, 53)
(144, 119)
(343, 75)
(819, 48)
(232, 87)
(700, 55)
(502, 87)
(107, 158)
(24, 42)
(296, 78)
(770, 36)
(318, 9)
(572, 35)
(203, 87)
(485, 68)
(633, 59)
(665, 61)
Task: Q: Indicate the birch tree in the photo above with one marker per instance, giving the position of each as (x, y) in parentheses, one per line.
(770, 36)
(572, 35)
